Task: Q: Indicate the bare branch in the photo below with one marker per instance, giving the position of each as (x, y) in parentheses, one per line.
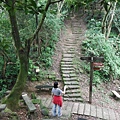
(56, 1)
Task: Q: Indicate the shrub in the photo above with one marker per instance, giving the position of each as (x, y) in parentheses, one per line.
(99, 46)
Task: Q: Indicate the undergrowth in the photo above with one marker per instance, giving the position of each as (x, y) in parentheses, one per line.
(99, 46)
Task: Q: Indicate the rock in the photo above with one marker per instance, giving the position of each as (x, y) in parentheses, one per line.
(45, 112)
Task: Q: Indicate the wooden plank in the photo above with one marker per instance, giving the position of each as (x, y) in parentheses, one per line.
(29, 103)
(112, 114)
(87, 109)
(65, 104)
(116, 93)
(105, 114)
(88, 59)
(99, 112)
(98, 59)
(81, 108)
(75, 108)
(67, 107)
(117, 116)
(95, 59)
(93, 111)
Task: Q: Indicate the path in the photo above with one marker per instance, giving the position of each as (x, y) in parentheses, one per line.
(67, 66)
(72, 99)
(79, 108)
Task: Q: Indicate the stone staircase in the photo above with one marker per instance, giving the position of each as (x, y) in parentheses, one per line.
(67, 66)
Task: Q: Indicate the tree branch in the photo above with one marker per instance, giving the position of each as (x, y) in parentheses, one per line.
(3, 53)
(41, 22)
(14, 26)
(56, 1)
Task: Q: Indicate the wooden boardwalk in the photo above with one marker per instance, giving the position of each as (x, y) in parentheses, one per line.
(79, 108)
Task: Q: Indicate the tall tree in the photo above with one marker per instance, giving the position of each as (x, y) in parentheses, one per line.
(108, 17)
(22, 50)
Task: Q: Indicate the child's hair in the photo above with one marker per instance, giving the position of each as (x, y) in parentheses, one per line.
(55, 84)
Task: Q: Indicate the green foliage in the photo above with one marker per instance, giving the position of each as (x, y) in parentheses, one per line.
(99, 46)
(3, 88)
(27, 25)
(43, 74)
(36, 101)
(10, 78)
(7, 56)
(5, 36)
(31, 72)
(116, 22)
(50, 35)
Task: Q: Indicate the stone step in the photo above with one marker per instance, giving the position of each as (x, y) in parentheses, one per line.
(73, 95)
(73, 86)
(68, 48)
(76, 25)
(68, 55)
(67, 69)
(66, 60)
(68, 75)
(73, 91)
(67, 72)
(70, 42)
(70, 79)
(71, 83)
(70, 45)
(76, 32)
(70, 52)
(76, 29)
(64, 65)
(73, 99)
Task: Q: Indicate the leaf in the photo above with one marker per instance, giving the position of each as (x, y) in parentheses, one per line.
(33, 3)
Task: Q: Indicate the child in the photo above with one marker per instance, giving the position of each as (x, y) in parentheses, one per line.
(57, 99)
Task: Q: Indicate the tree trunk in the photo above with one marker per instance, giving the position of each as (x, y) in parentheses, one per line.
(104, 22)
(12, 100)
(59, 8)
(110, 22)
(23, 53)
